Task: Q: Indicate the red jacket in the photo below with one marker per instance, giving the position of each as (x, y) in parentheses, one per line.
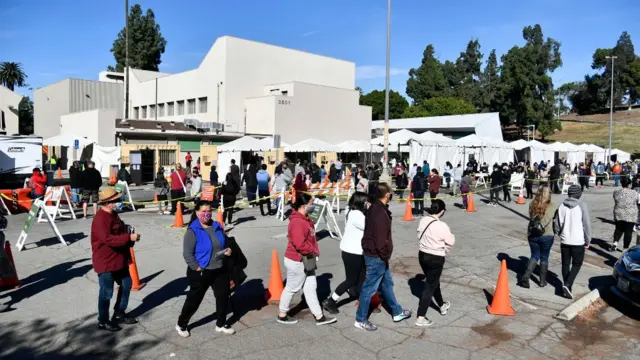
(302, 237)
(377, 240)
(176, 176)
(110, 243)
(38, 182)
(434, 183)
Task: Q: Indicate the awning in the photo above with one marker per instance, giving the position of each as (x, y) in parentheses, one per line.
(66, 140)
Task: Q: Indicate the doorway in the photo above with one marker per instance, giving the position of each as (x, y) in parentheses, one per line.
(147, 165)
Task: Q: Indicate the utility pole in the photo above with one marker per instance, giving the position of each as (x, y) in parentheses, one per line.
(613, 60)
(126, 60)
(386, 91)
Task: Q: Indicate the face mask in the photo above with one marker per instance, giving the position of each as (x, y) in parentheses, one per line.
(310, 209)
(204, 216)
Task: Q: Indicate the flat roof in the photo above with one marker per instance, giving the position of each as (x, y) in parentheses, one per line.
(449, 122)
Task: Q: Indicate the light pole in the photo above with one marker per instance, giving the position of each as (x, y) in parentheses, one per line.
(533, 137)
(126, 60)
(386, 91)
(613, 61)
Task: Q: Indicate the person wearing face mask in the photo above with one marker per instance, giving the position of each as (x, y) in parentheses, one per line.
(300, 260)
(110, 255)
(436, 241)
(206, 250)
(377, 247)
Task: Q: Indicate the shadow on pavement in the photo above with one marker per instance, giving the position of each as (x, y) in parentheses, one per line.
(69, 238)
(167, 292)
(47, 279)
(519, 266)
(417, 285)
(244, 219)
(40, 339)
(148, 278)
(602, 251)
(606, 221)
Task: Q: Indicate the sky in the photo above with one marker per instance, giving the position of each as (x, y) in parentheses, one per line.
(58, 39)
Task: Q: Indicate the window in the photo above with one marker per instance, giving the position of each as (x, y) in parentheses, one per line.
(170, 107)
(191, 106)
(160, 110)
(143, 115)
(203, 105)
(167, 158)
(180, 108)
(152, 111)
(136, 112)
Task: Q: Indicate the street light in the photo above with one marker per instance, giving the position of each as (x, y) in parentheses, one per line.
(386, 91)
(533, 136)
(613, 60)
(126, 60)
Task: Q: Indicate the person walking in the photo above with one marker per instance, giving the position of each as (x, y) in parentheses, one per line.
(600, 174)
(625, 213)
(178, 181)
(300, 260)
(91, 182)
(401, 182)
(76, 184)
(250, 180)
(351, 247)
(263, 178)
(539, 235)
(434, 184)
(435, 241)
(377, 247)
(229, 192)
(206, 249)
(571, 223)
(110, 256)
(506, 183)
(496, 185)
(465, 187)
(161, 188)
(418, 189)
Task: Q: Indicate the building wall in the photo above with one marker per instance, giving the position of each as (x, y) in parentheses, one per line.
(261, 112)
(88, 95)
(9, 103)
(49, 104)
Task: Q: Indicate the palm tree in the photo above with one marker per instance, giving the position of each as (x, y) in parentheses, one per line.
(12, 75)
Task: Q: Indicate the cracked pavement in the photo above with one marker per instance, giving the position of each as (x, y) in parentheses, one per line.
(54, 312)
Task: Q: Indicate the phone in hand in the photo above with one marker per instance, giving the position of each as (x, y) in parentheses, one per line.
(219, 254)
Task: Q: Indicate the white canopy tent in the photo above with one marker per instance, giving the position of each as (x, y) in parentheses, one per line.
(355, 146)
(574, 154)
(597, 153)
(66, 140)
(433, 148)
(621, 156)
(485, 150)
(310, 145)
(399, 138)
(535, 150)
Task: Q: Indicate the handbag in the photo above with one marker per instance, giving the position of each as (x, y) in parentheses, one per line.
(535, 228)
(309, 262)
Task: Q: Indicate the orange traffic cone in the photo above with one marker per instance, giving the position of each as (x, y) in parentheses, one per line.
(521, 197)
(155, 198)
(113, 179)
(471, 207)
(178, 221)
(133, 272)
(293, 195)
(220, 216)
(326, 179)
(275, 279)
(501, 304)
(59, 174)
(11, 281)
(408, 211)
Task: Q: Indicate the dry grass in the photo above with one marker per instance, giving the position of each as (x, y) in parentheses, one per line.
(619, 116)
(625, 137)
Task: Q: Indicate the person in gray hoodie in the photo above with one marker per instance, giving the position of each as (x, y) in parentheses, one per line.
(282, 179)
(571, 223)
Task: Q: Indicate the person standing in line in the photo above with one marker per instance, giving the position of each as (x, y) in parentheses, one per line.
(250, 180)
(300, 260)
(205, 249)
(214, 181)
(554, 175)
(506, 183)
(178, 181)
(616, 170)
(188, 159)
(434, 184)
(235, 172)
(377, 247)
(448, 169)
(425, 168)
(333, 173)
(161, 187)
(351, 247)
(435, 241)
(363, 182)
(323, 173)
(401, 181)
(571, 223)
(196, 184)
(530, 178)
(496, 185)
(413, 171)
(600, 174)
(418, 188)
(625, 213)
(123, 174)
(110, 255)
(465, 187)
(457, 177)
(229, 191)
(91, 182)
(338, 164)
(541, 212)
(263, 178)
(38, 183)
(76, 184)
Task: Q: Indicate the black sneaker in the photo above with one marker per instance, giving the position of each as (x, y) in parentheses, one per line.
(566, 292)
(287, 320)
(331, 306)
(124, 319)
(109, 327)
(325, 320)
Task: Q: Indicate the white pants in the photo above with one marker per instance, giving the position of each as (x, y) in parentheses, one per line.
(296, 280)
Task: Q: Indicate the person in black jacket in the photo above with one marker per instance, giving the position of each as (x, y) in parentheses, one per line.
(506, 182)
(402, 181)
(235, 171)
(213, 181)
(496, 184)
(554, 178)
(76, 184)
(333, 173)
(91, 182)
(229, 191)
(315, 174)
(418, 189)
(123, 174)
(249, 178)
(531, 177)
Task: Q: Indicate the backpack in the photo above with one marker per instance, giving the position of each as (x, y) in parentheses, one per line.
(535, 228)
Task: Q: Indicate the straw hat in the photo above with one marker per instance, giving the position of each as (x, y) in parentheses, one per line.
(108, 194)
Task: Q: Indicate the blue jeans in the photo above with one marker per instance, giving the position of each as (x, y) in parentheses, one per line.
(251, 195)
(616, 179)
(378, 276)
(75, 195)
(540, 248)
(106, 280)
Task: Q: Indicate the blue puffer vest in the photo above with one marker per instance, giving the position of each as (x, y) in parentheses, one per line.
(204, 246)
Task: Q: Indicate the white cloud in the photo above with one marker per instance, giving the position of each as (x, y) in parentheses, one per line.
(313, 32)
(377, 71)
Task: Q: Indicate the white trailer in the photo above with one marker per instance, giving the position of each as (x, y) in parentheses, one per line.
(18, 156)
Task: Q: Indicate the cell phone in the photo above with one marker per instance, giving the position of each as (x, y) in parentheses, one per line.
(219, 254)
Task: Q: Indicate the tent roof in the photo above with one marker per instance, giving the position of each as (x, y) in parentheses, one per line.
(474, 140)
(310, 145)
(618, 151)
(352, 146)
(429, 137)
(520, 144)
(535, 144)
(401, 137)
(247, 143)
(66, 140)
(267, 143)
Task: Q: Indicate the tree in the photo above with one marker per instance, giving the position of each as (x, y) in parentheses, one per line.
(375, 99)
(146, 43)
(25, 116)
(359, 90)
(468, 67)
(439, 106)
(427, 81)
(12, 75)
(414, 112)
(564, 94)
(489, 82)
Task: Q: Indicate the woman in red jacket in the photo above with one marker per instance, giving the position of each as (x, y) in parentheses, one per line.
(301, 275)
(434, 184)
(38, 183)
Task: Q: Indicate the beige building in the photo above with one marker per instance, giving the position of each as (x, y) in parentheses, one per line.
(9, 103)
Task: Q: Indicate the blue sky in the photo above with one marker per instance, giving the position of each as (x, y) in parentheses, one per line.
(56, 39)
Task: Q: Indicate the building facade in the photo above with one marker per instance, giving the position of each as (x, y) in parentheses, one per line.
(9, 103)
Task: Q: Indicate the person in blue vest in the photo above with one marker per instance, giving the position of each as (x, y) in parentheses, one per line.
(207, 251)
(425, 168)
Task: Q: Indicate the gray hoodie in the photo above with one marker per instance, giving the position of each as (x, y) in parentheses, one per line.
(282, 180)
(571, 223)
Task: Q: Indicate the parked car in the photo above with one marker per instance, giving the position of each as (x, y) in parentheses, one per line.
(627, 274)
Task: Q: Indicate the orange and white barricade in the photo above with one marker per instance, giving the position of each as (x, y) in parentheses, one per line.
(341, 188)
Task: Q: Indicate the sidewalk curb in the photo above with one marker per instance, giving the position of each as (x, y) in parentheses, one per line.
(575, 308)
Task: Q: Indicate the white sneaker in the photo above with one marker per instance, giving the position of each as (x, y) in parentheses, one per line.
(182, 332)
(423, 322)
(226, 330)
(444, 308)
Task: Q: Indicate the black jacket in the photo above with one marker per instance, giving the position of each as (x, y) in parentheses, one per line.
(315, 176)
(496, 178)
(236, 263)
(123, 175)
(402, 181)
(235, 172)
(249, 177)
(91, 179)
(76, 177)
(554, 172)
(229, 192)
(377, 240)
(506, 176)
(419, 183)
